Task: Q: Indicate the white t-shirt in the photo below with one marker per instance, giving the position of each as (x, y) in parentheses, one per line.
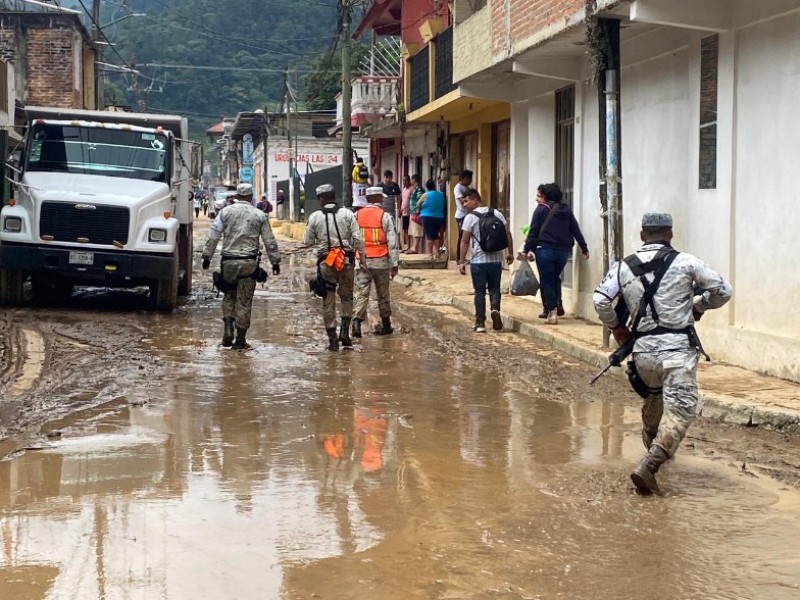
(360, 194)
(459, 191)
(472, 224)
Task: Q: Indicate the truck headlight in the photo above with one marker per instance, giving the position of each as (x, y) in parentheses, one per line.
(158, 236)
(13, 224)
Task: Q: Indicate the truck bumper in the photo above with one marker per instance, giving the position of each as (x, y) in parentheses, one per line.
(104, 264)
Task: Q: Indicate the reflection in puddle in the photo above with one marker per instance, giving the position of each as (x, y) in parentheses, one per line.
(284, 473)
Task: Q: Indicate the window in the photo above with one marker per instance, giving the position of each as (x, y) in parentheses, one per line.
(709, 61)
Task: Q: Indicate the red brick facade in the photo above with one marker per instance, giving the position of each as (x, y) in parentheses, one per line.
(45, 51)
(526, 18)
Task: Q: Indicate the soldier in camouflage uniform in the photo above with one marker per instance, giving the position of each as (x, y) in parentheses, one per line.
(240, 225)
(382, 254)
(666, 348)
(334, 227)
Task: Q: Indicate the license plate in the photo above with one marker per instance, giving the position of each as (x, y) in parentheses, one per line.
(81, 258)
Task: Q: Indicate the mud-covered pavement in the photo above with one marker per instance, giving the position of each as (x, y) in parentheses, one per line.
(430, 464)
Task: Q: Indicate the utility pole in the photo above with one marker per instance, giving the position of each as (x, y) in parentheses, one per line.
(289, 151)
(99, 96)
(347, 133)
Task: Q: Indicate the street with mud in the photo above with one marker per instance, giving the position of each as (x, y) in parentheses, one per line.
(142, 460)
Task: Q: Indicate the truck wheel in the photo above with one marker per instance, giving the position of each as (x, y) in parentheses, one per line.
(11, 281)
(164, 292)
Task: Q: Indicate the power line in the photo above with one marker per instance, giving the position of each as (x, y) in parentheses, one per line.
(101, 32)
(212, 68)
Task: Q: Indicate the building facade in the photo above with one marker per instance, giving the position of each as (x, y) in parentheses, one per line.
(706, 96)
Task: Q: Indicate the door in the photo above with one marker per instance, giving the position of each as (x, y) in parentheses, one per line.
(565, 155)
(501, 176)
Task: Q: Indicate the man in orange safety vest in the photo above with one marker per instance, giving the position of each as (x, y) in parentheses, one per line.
(382, 255)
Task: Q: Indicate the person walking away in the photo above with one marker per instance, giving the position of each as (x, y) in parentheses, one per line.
(432, 208)
(415, 227)
(360, 176)
(196, 203)
(264, 205)
(334, 231)
(459, 193)
(205, 204)
(280, 201)
(240, 226)
(391, 191)
(551, 235)
(405, 211)
(487, 241)
(657, 286)
(380, 247)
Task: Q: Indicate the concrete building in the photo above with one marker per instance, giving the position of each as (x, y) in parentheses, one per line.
(707, 107)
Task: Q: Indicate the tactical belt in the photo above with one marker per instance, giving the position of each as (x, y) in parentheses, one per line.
(255, 256)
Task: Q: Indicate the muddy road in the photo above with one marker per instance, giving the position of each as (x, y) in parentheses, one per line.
(142, 460)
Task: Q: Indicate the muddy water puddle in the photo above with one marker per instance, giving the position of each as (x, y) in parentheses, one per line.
(394, 471)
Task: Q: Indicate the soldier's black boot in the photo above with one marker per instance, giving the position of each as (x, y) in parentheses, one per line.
(344, 333)
(240, 343)
(356, 328)
(644, 474)
(333, 339)
(386, 327)
(227, 335)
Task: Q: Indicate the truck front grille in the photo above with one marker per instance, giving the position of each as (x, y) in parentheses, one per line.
(93, 224)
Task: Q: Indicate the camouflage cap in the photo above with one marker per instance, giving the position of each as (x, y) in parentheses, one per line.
(325, 188)
(375, 191)
(657, 220)
(244, 189)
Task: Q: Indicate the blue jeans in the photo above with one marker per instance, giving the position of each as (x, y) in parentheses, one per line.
(551, 262)
(485, 275)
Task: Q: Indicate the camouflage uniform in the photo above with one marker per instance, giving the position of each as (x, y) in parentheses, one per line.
(380, 272)
(317, 235)
(666, 362)
(239, 226)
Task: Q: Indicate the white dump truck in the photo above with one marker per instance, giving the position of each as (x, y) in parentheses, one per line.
(100, 199)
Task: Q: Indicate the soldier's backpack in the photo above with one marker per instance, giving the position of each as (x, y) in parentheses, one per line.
(492, 235)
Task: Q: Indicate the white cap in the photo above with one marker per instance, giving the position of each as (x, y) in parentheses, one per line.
(375, 191)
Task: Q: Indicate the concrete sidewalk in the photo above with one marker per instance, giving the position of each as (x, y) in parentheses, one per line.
(730, 394)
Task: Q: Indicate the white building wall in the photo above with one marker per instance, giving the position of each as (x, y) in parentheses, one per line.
(745, 227)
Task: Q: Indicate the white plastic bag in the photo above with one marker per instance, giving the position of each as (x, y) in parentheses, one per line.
(524, 282)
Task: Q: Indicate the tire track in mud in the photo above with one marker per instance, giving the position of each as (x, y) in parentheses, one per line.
(56, 362)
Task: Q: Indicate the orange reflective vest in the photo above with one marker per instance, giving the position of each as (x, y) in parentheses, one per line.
(369, 219)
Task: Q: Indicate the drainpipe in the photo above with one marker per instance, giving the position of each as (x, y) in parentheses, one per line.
(612, 166)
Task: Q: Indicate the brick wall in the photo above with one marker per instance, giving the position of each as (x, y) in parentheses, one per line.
(527, 17)
(51, 80)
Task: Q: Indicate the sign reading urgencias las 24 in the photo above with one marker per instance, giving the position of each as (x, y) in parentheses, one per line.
(314, 159)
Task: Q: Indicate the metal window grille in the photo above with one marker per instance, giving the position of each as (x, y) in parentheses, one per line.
(420, 93)
(444, 64)
(709, 62)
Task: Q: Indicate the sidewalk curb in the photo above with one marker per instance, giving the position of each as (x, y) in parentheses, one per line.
(715, 408)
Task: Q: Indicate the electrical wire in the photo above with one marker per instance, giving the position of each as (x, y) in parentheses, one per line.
(101, 32)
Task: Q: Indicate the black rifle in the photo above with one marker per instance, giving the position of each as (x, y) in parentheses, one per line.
(615, 358)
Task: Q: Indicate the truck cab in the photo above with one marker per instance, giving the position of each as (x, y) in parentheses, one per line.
(101, 199)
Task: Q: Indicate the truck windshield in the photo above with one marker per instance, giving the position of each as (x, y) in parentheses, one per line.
(96, 151)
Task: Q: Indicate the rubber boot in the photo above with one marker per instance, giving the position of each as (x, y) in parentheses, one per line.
(344, 333)
(240, 343)
(227, 335)
(644, 474)
(333, 339)
(560, 309)
(544, 313)
(356, 328)
(386, 327)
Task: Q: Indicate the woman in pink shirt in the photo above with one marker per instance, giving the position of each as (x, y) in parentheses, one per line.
(405, 211)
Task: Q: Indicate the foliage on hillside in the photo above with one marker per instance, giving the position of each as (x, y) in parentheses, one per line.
(254, 40)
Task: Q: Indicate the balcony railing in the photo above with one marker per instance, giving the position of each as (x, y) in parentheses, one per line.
(420, 86)
(443, 61)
